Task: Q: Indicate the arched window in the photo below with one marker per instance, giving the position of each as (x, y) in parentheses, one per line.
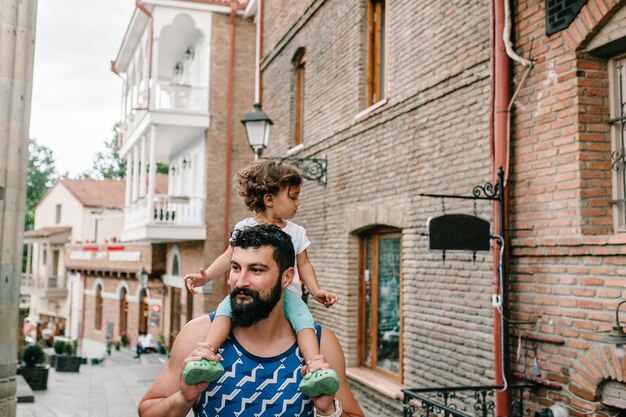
(123, 310)
(175, 266)
(380, 316)
(143, 311)
(98, 315)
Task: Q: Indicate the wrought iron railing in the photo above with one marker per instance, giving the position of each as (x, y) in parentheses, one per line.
(475, 401)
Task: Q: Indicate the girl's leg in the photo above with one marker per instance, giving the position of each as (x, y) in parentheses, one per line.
(209, 370)
(323, 381)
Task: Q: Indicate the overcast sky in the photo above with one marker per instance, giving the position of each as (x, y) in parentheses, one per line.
(76, 98)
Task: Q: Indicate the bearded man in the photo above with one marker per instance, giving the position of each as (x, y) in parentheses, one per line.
(263, 367)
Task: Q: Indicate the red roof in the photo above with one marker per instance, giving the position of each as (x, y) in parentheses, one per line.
(97, 193)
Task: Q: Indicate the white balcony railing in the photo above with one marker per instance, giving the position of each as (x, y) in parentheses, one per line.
(180, 97)
(168, 210)
(34, 283)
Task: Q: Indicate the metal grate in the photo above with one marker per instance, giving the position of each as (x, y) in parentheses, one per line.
(461, 401)
(561, 13)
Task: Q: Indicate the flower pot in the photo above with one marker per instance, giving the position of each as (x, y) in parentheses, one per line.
(36, 377)
(68, 363)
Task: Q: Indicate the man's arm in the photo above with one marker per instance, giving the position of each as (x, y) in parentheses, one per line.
(332, 351)
(169, 395)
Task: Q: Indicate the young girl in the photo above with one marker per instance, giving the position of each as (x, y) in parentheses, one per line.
(271, 189)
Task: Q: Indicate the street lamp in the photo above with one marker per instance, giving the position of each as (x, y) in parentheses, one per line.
(616, 336)
(258, 124)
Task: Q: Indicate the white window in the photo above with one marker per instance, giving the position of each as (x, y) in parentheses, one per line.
(617, 80)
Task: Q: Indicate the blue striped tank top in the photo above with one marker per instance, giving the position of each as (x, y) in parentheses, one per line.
(256, 387)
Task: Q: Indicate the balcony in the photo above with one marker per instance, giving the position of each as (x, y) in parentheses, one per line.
(173, 218)
(181, 98)
(51, 287)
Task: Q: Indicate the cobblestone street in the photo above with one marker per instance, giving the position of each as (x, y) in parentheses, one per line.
(112, 389)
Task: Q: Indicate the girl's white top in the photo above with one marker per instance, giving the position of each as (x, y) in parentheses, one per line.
(298, 238)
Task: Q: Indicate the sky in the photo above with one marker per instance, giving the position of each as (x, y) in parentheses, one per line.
(76, 98)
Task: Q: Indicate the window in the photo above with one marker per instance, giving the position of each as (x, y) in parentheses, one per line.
(175, 311)
(143, 312)
(123, 311)
(375, 51)
(617, 70)
(58, 214)
(298, 63)
(55, 263)
(98, 324)
(380, 315)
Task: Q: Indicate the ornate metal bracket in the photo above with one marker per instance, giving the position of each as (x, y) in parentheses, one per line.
(313, 169)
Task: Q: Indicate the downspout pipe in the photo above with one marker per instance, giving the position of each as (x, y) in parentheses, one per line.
(147, 12)
(501, 94)
(229, 133)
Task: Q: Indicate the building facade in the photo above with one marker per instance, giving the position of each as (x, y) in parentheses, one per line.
(188, 77)
(398, 97)
(72, 212)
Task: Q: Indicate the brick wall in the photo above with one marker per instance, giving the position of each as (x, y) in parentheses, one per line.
(432, 136)
(111, 310)
(567, 262)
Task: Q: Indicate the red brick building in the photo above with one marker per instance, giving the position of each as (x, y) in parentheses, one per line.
(399, 98)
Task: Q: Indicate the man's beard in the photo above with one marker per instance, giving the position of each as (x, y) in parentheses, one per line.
(248, 313)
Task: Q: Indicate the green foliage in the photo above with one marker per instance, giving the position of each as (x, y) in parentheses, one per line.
(108, 164)
(42, 174)
(124, 340)
(68, 349)
(33, 355)
(59, 347)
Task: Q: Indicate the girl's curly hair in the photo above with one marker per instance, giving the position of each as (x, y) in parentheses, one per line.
(265, 176)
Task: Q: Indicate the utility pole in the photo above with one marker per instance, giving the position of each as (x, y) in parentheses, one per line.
(17, 48)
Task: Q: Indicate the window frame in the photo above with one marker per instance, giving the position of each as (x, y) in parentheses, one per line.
(123, 311)
(57, 214)
(375, 235)
(617, 184)
(376, 75)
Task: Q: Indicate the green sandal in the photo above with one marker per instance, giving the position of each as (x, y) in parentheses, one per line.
(202, 371)
(320, 382)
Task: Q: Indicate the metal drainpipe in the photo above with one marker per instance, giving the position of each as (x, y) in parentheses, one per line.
(501, 94)
(144, 9)
(229, 133)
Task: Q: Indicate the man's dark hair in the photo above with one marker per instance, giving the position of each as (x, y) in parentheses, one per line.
(267, 235)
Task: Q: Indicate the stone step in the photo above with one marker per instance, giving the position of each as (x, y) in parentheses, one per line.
(23, 393)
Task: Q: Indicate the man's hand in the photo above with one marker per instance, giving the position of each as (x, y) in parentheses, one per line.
(196, 280)
(327, 298)
(202, 351)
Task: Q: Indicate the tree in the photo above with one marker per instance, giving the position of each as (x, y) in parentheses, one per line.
(109, 164)
(42, 175)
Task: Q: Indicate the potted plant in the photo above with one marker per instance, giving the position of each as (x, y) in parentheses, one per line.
(124, 339)
(68, 362)
(58, 346)
(33, 371)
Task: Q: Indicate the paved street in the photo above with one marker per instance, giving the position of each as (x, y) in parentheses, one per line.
(112, 389)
